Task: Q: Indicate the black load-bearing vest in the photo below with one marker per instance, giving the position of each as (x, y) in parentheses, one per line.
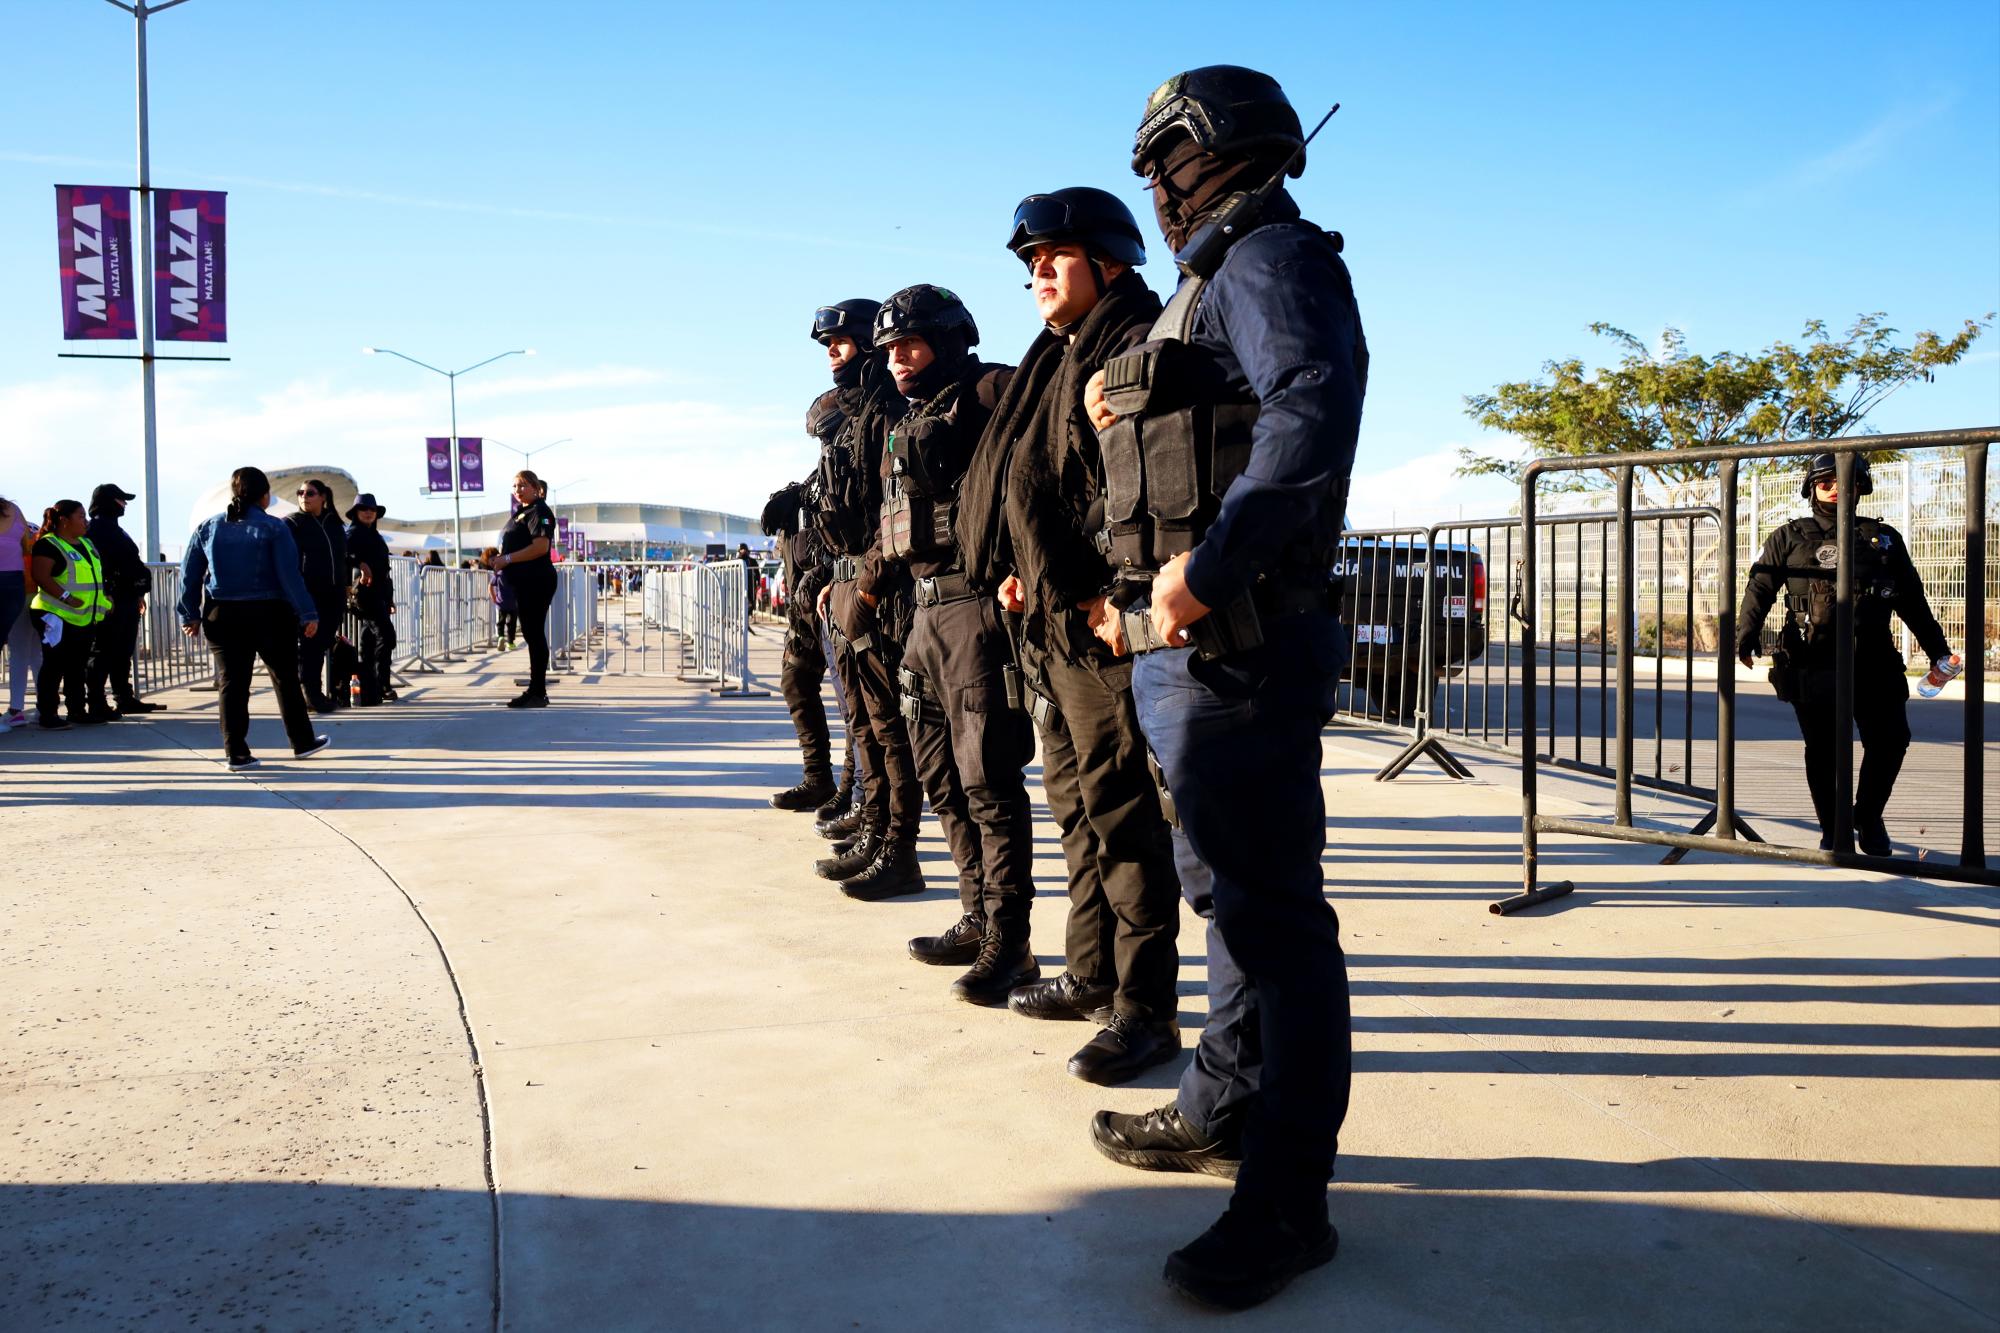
(920, 498)
(1183, 435)
(1810, 571)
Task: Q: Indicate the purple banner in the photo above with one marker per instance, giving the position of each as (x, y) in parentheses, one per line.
(562, 533)
(437, 460)
(471, 463)
(100, 295)
(189, 290)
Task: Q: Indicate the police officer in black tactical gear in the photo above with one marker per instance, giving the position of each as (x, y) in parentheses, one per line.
(971, 747)
(865, 630)
(128, 582)
(1029, 515)
(808, 564)
(1801, 560)
(1228, 438)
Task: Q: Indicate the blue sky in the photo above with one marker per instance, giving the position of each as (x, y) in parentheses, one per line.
(655, 197)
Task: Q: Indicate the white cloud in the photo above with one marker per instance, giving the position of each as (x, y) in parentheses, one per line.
(1872, 145)
(63, 436)
(1423, 489)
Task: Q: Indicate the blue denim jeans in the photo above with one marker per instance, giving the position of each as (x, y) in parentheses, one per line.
(1239, 742)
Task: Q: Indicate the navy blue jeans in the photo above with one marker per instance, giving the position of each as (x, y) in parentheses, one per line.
(1239, 742)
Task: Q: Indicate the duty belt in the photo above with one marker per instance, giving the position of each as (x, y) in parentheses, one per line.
(1025, 698)
(1234, 627)
(942, 588)
(846, 569)
(860, 644)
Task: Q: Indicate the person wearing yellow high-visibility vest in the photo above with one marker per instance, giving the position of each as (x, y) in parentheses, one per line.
(70, 602)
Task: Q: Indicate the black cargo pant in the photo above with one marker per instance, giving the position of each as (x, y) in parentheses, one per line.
(868, 661)
(111, 648)
(1124, 893)
(377, 648)
(245, 632)
(1881, 715)
(799, 680)
(65, 671)
(960, 650)
(331, 599)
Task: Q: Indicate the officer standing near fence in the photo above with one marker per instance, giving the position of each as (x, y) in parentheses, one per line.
(807, 566)
(1028, 520)
(867, 646)
(1801, 559)
(1249, 390)
(129, 583)
(374, 598)
(323, 564)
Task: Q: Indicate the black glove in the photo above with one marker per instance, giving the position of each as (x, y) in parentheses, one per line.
(781, 512)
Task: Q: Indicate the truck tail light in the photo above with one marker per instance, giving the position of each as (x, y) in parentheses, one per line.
(1478, 587)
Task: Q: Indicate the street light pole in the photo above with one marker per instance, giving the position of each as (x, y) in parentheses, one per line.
(140, 11)
(528, 455)
(451, 377)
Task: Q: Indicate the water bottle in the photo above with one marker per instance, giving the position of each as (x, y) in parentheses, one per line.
(1942, 673)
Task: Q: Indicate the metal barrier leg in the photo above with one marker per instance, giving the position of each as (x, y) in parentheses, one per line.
(1530, 894)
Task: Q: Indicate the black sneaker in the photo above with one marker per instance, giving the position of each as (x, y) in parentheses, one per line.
(1247, 1257)
(1126, 1048)
(958, 946)
(1164, 1140)
(239, 762)
(529, 698)
(133, 707)
(1067, 997)
(319, 743)
(54, 722)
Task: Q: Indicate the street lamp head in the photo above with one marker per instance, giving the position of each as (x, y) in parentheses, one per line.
(367, 351)
(527, 351)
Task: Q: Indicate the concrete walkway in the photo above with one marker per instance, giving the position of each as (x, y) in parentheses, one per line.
(238, 1082)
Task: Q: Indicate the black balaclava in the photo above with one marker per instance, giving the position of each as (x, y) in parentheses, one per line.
(849, 375)
(1189, 184)
(950, 359)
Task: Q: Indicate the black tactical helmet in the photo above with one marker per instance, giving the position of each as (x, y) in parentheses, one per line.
(1822, 465)
(926, 312)
(849, 319)
(1226, 109)
(1097, 218)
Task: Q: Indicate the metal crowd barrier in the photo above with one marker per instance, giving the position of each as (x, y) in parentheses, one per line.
(1459, 681)
(1972, 866)
(706, 610)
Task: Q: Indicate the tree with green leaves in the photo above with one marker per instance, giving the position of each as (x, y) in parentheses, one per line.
(1664, 399)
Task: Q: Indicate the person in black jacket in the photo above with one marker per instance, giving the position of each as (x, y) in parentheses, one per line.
(524, 564)
(322, 547)
(128, 581)
(1027, 528)
(1801, 559)
(374, 598)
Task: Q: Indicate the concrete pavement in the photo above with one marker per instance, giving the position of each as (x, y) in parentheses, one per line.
(238, 1085)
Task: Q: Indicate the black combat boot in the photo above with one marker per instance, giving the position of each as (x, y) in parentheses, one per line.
(1126, 1048)
(1249, 1255)
(958, 946)
(843, 794)
(808, 795)
(1871, 835)
(840, 826)
(1164, 1140)
(892, 874)
(1068, 996)
(1004, 962)
(855, 860)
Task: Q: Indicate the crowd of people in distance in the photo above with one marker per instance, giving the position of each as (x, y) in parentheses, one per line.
(311, 596)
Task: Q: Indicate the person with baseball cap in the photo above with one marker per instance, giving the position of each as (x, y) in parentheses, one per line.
(127, 581)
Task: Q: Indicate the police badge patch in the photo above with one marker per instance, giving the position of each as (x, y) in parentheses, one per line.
(1828, 556)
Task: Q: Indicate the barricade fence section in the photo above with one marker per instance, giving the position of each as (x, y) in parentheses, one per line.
(1549, 593)
(690, 621)
(1431, 615)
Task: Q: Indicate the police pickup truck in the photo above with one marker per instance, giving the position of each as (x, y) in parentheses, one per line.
(1383, 616)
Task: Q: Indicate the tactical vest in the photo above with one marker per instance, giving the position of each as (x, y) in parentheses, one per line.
(842, 514)
(83, 578)
(1810, 596)
(919, 507)
(1181, 438)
